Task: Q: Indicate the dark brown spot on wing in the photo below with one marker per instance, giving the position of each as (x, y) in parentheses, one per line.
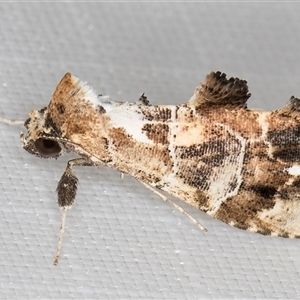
(242, 210)
(60, 108)
(291, 154)
(202, 200)
(196, 163)
(158, 133)
(284, 136)
(143, 100)
(265, 191)
(296, 183)
(156, 113)
(54, 129)
(100, 109)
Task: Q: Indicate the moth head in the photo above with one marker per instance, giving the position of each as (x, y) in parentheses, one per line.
(42, 138)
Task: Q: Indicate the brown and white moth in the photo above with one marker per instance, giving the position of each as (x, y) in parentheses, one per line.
(239, 165)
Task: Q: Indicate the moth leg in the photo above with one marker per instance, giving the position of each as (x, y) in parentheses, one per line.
(11, 122)
(175, 205)
(66, 190)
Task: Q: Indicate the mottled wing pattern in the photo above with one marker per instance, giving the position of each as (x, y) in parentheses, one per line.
(241, 166)
(262, 194)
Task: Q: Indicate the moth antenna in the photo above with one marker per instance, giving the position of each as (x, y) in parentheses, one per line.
(61, 233)
(175, 205)
(11, 122)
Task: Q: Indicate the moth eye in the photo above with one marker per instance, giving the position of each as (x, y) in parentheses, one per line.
(47, 148)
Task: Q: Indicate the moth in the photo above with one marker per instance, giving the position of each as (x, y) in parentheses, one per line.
(238, 165)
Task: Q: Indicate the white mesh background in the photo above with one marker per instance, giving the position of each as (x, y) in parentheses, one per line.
(121, 240)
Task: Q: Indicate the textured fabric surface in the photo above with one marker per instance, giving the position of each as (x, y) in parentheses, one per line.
(121, 240)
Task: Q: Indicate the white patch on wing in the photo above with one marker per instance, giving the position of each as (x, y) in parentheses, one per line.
(124, 116)
(252, 227)
(89, 92)
(106, 102)
(93, 97)
(227, 174)
(264, 124)
(121, 115)
(294, 170)
(262, 120)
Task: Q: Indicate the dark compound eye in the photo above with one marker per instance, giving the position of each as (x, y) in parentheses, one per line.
(47, 148)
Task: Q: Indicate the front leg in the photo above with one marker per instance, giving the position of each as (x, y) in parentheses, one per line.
(66, 190)
(67, 186)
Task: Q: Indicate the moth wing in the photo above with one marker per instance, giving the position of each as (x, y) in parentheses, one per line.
(218, 90)
(291, 107)
(72, 89)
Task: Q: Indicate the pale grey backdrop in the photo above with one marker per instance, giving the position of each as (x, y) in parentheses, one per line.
(121, 240)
